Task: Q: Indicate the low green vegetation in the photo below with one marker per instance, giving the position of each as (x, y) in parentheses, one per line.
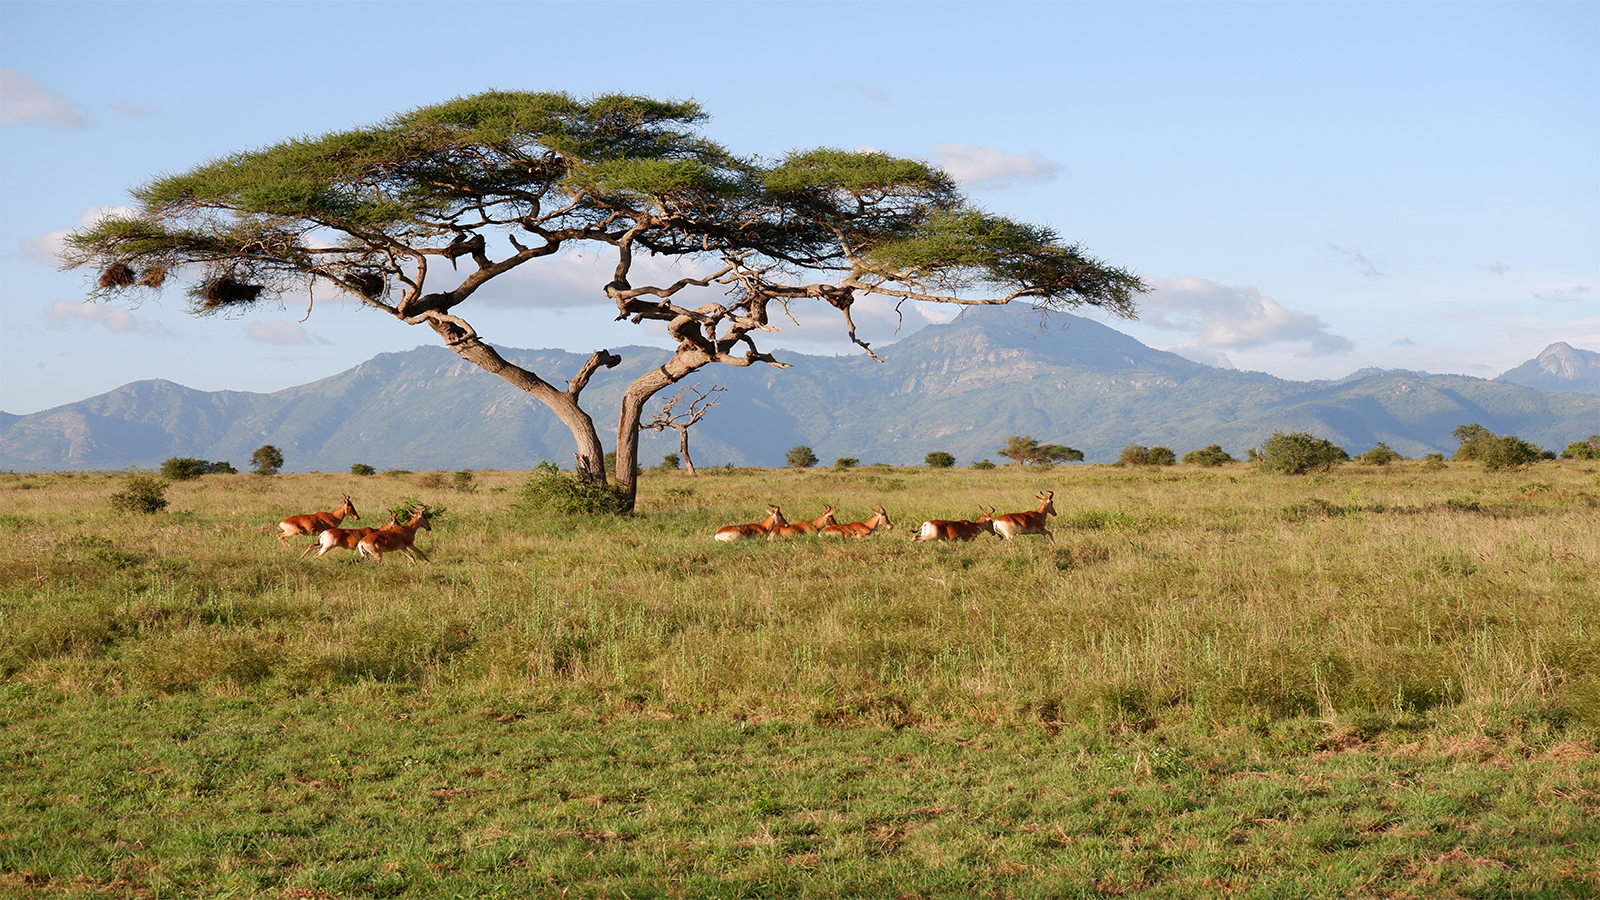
(1214, 681)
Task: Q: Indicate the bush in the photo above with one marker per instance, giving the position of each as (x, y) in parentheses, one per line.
(1162, 456)
(845, 462)
(184, 468)
(463, 481)
(1474, 439)
(939, 459)
(1213, 455)
(1509, 452)
(1380, 455)
(800, 457)
(141, 494)
(267, 460)
(1298, 453)
(1585, 449)
(670, 462)
(222, 467)
(362, 469)
(1134, 455)
(983, 464)
(550, 490)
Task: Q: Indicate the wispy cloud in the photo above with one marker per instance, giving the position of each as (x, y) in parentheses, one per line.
(1224, 317)
(1497, 268)
(1570, 295)
(989, 167)
(132, 109)
(283, 334)
(1354, 256)
(24, 101)
(46, 248)
(116, 319)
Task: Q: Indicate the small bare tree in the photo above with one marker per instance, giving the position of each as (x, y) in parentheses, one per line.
(666, 417)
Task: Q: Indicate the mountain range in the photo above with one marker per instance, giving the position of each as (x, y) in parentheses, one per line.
(962, 388)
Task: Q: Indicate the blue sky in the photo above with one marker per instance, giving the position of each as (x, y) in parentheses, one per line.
(1312, 188)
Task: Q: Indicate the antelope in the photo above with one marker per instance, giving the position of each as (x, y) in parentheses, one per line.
(316, 523)
(799, 529)
(395, 536)
(1010, 525)
(858, 530)
(346, 538)
(954, 530)
(773, 520)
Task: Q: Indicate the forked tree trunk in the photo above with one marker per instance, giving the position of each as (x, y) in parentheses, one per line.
(683, 445)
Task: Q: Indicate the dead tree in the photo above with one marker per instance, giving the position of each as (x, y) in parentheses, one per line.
(698, 407)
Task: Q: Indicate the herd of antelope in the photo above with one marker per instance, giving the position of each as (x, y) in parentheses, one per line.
(373, 542)
(1007, 526)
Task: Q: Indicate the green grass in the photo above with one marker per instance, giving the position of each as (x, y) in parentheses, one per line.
(1213, 682)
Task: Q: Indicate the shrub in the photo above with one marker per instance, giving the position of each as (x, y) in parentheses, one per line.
(1380, 455)
(222, 467)
(184, 468)
(362, 469)
(1134, 455)
(1162, 456)
(1023, 449)
(141, 494)
(845, 462)
(983, 464)
(800, 457)
(939, 459)
(550, 490)
(1474, 439)
(432, 481)
(1509, 452)
(1298, 453)
(1585, 449)
(670, 462)
(463, 481)
(267, 460)
(1213, 455)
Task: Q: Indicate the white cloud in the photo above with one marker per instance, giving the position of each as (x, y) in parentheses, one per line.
(1223, 317)
(281, 334)
(1203, 355)
(113, 318)
(23, 100)
(988, 167)
(46, 248)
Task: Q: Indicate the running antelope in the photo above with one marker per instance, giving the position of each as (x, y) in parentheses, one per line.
(344, 538)
(860, 530)
(1010, 525)
(773, 520)
(316, 523)
(395, 536)
(954, 530)
(800, 529)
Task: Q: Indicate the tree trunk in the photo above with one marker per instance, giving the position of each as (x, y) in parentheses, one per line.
(683, 445)
(638, 394)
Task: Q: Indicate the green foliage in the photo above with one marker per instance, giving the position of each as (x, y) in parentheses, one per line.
(221, 467)
(939, 459)
(801, 457)
(403, 511)
(464, 481)
(671, 462)
(1584, 449)
(141, 494)
(362, 469)
(184, 468)
(549, 490)
(982, 464)
(1025, 450)
(1474, 440)
(1380, 455)
(1138, 455)
(1162, 456)
(1212, 455)
(1298, 452)
(1507, 452)
(845, 462)
(267, 460)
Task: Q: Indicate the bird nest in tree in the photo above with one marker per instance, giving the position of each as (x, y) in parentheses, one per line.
(220, 292)
(117, 275)
(153, 278)
(367, 284)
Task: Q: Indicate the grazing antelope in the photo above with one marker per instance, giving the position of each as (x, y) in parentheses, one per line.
(316, 523)
(395, 536)
(799, 529)
(1010, 525)
(773, 520)
(346, 538)
(953, 530)
(860, 530)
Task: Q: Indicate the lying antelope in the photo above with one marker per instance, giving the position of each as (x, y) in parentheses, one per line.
(773, 520)
(345, 538)
(395, 536)
(316, 523)
(860, 530)
(954, 530)
(1010, 525)
(800, 529)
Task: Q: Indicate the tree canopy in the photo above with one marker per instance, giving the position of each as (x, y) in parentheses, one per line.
(490, 182)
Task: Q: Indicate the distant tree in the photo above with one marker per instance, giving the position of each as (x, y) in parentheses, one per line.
(1134, 455)
(1163, 456)
(362, 469)
(1298, 453)
(670, 415)
(1023, 449)
(1585, 449)
(492, 182)
(1508, 452)
(670, 462)
(939, 459)
(267, 460)
(982, 464)
(184, 468)
(800, 457)
(846, 462)
(221, 467)
(141, 494)
(1380, 455)
(1212, 455)
(1474, 439)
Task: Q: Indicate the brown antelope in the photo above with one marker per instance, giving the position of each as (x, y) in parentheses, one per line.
(953, 530)
(773, 520)
(395, 536)
(1010, 525)
(860, 530)
(799, 529)
(316, 523)
(344, 538)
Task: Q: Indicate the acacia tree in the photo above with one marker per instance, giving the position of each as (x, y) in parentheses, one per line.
(666, 417)
(491, 182)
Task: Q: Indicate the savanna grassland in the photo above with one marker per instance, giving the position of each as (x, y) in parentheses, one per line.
(1377, 682)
